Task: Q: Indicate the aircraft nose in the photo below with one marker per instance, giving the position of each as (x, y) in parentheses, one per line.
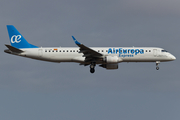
(173, 57)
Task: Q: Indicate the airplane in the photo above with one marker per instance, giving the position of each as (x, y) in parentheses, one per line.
(106, 57)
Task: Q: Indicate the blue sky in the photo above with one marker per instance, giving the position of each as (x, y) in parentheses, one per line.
(32, 89)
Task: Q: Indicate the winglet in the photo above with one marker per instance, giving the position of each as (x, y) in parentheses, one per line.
(78, 43)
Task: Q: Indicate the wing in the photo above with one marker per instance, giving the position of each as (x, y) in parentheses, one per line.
(89, 53)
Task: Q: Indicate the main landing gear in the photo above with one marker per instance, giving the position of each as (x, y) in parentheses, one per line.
(157, 63)
(92, 66)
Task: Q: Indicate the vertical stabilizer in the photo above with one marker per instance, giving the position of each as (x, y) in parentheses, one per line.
(16, 39)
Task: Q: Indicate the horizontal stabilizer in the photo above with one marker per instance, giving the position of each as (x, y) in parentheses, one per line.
(13, 49)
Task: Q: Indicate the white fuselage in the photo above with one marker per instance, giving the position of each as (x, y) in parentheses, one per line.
(72, 54)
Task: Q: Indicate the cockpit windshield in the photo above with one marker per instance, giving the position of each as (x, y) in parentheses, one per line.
(164, 51)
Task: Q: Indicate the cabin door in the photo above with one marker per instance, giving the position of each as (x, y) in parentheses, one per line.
(155, 52)
(40, 53)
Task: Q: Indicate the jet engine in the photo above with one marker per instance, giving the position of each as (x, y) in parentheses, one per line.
(112, 59)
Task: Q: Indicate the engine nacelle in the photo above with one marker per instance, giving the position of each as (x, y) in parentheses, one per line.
(112, 59)
(110, 66)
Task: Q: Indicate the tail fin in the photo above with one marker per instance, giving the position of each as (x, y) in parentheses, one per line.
(16, 39)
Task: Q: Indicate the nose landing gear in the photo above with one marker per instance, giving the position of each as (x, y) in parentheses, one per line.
(157, 63)
(92, 66)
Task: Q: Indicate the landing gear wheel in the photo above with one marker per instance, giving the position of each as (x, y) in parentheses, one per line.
(157, 63)
(92, 66)
(92, 70)
(157, 68)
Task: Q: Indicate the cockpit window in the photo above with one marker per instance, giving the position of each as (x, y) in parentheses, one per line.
(164, 51)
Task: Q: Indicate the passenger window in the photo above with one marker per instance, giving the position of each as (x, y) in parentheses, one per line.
(102, 50)
(149, 50)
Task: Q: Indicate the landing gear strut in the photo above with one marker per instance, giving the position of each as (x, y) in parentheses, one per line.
(157, 63)
(92, 66)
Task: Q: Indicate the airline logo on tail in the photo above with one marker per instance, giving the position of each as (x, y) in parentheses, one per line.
(15, 39)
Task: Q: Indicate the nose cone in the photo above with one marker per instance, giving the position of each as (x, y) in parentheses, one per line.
(173, 57)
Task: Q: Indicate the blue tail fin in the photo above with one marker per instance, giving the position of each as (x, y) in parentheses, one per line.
(16, 39)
